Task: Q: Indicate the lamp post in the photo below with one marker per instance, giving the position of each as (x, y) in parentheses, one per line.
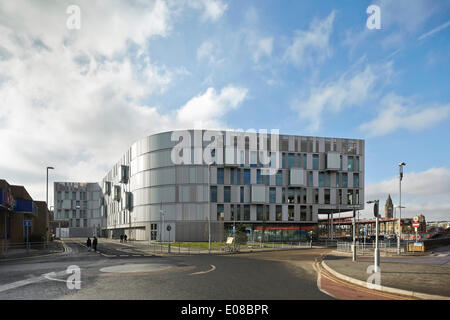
(376, 254)
(46, 196)
(400, 176)
(354, 233)
(209, 208)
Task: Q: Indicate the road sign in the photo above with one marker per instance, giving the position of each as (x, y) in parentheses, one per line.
(416, 218)
(27, 223)
(416, 224)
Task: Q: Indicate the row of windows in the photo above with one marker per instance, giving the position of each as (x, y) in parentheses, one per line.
(242, 213)
(78, 223)
(294, 195)
(72, 214)
(75, 204)
(74, 195)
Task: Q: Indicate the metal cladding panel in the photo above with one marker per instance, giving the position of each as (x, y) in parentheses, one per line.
(258, 194)
(23, 205)
(297, 177)
(333, 161)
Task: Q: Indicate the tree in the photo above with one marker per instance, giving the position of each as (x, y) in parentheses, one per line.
(241, 235)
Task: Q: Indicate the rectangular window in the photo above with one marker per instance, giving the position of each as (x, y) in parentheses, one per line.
(220, 175)
(66, 195)
(344, 180)
(232, 176)
(327, 180)
(305, 161)
(315, 162)
(272, 195)
(242, 194)
(259, 212)
(77, 205)
(327, 196)
(356, 180)
(299, 160)
(66, 214)
(340, 196)
(59, 195)
(356, 196)
(310, 179)
(283, 195)
(316, 195)
(350, 163)
(74, 195)
(349, 196)
(356, 163)
(299, 193)
(213, 194)
(85, 204)
(153, 231)
(259, 178)
(246, 176)
(232, 213)
(246, 212)
(291, 213)
(283, 160)
(85, 223)
(278, 213)
(304, 193)
(337, 180)
(291, 195)
(220, 212)
(302, 213)
(291, 160)
(321, 179)
(59, 214)
(74, 214)
(227, 194)
(279, 178)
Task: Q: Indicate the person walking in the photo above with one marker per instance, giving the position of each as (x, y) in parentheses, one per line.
(121, 238)
(88, 244)
(94, 243)
(125, 238)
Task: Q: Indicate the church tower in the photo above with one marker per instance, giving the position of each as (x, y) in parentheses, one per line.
(389, 208)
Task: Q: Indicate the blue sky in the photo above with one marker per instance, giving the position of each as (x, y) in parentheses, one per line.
(304, 67)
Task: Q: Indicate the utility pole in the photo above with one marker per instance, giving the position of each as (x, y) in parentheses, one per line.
(209, 208)
(376, 253)
(400, 176)
(46, 201)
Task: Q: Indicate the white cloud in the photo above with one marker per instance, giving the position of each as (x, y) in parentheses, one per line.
(402, 113)
(213, 10)
(76, 100)
(425, 192)
(312, 46)
(206, 110)
(262, 48)
(210, 52)
(437, 29)
(349, 90)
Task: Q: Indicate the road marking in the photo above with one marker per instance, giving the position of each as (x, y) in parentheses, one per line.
(202, 272)
(124, 255)
(32, 280)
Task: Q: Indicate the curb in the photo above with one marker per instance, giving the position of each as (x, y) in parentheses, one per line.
(407, 293)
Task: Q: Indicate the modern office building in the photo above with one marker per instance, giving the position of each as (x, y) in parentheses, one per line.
(79, 204)
(164, 179)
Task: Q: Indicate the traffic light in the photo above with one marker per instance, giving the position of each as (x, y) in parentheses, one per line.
(375, 209)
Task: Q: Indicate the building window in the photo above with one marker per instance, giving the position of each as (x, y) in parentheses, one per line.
(272, 195)
(316, 195)
(340, 196)
(350, 163)
(78, 223)
(220, 212)
(232, 176)
(232, 212)
(304, 193)
(321, 179)
(357, 196)
(283, 195)
(278, 213)
(247, 212)
(59, 195)
(220, 176)
(66, 214)
(310, 179)
(291, 195)
(291, 160)
(303, 213)
(349, 196)
(299, 160)
(356, 163)
(259, 212)
(85, 205)
(77, 205)
(315, 162)
(74, 214)
(356, 180)
(242, 194)
(327, 180)
(227, 194)
(291, 213)
(327, 196)
(66, 195)
(213, 194)
(283, 160)
(344, 180)
(246, 176)
(259, 178)
(337, 180)
(74, 195)
(153, 231)
(305, 161)
(279, 178)
(59, 214)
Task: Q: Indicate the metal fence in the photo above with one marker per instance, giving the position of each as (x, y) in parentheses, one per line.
(368, 247)
(30, 248)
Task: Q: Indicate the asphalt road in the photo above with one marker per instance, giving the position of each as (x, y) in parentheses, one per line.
(121, 272)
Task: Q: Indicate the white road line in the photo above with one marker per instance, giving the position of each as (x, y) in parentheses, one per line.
(202, 272)
(137, 255)
(25, 282)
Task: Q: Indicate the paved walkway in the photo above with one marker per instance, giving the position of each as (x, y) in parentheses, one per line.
(429, 275)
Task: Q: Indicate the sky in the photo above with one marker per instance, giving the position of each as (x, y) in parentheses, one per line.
(77, 98)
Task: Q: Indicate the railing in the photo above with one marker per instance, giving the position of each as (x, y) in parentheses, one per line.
(368, 247)
(24, 249)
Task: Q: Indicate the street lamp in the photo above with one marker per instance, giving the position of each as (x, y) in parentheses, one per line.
(400, 176)
(354, 234)
(376, 253)
(46, 194)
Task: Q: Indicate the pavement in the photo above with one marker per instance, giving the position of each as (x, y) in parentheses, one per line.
(22, 253)
(425, 276)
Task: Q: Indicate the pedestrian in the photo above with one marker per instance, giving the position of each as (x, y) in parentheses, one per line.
(121, 238)
(88, 244)
(94, 243)
(125, 237)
